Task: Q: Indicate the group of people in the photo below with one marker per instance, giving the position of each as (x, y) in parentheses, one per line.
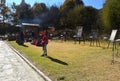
(43, 42)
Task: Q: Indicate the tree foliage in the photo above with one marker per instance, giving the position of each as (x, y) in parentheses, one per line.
(5, 12)
(83, 16)
(39, 8)
(71, 14)
(65, 9)
(111, 14)
(53, 16)
(22, 13)
(70, 4)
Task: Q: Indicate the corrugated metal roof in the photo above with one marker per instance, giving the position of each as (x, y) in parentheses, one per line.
(29, 24)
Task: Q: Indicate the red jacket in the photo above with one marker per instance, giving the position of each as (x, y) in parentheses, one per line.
(45, 39)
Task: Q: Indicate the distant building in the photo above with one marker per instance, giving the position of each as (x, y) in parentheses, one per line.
(28, 27)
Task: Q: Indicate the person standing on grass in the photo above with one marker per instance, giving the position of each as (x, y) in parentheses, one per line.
(44, 43)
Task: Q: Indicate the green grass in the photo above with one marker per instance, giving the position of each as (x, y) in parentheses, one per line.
(67, 61)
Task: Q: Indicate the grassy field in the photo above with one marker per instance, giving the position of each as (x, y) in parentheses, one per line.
(67, 61)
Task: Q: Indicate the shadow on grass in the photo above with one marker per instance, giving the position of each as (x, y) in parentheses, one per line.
(23, 45)
(56, 60)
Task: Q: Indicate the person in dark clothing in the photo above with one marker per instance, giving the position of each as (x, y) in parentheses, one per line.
(22, 38)
(44, 43)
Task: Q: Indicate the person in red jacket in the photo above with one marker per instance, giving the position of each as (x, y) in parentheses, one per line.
(44, 43)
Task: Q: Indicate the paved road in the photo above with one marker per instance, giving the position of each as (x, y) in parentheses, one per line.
(13, 68)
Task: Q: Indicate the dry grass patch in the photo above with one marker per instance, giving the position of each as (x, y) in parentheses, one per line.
(74, 62)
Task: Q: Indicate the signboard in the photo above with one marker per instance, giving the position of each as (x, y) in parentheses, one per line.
(79, 31)
(113, 34)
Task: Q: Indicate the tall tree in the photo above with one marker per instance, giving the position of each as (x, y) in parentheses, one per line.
(111, 14)
(13, 14)
(4, 12)
(66, 8)
(70, 4)
(23, 12)
(53, 16)
(39, 11)
(83, 16)
(39, 8)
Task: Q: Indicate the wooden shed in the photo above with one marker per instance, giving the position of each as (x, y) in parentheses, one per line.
(28, 27)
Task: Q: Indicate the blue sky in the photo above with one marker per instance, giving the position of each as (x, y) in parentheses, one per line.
(95, 3)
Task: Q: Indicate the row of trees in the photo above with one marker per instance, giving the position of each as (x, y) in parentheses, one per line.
(39, 14)
(71, 14)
